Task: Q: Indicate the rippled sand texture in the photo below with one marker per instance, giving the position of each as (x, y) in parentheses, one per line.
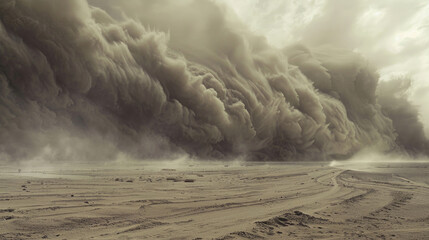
(279, 201)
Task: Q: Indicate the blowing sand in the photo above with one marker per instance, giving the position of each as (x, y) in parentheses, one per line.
(272, 201)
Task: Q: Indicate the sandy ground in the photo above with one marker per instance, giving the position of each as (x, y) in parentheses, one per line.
(273, 201)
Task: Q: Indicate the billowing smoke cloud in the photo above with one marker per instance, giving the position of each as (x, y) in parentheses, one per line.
(158, 79)
(404, 115)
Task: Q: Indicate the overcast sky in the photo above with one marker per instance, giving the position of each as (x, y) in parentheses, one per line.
(392, 34)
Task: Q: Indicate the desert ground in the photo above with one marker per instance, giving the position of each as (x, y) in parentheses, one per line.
(217, 201)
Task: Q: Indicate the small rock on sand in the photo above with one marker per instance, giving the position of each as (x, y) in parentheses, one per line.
(298, 213)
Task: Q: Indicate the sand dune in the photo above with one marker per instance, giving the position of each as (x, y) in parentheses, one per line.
(275, 201)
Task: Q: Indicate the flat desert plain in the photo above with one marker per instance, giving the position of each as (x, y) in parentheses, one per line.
(218, 201)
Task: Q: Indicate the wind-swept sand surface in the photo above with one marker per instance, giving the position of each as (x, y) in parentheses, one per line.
(272, 201)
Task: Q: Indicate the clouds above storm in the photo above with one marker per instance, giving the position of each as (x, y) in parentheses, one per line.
(392, 35)
(162, 78)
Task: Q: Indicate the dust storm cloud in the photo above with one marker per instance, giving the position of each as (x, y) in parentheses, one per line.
(159, 79)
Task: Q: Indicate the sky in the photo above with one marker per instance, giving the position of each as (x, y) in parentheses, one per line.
(392, 34)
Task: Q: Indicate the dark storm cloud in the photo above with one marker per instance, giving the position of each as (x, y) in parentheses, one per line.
(405, 117)
(154, 79)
